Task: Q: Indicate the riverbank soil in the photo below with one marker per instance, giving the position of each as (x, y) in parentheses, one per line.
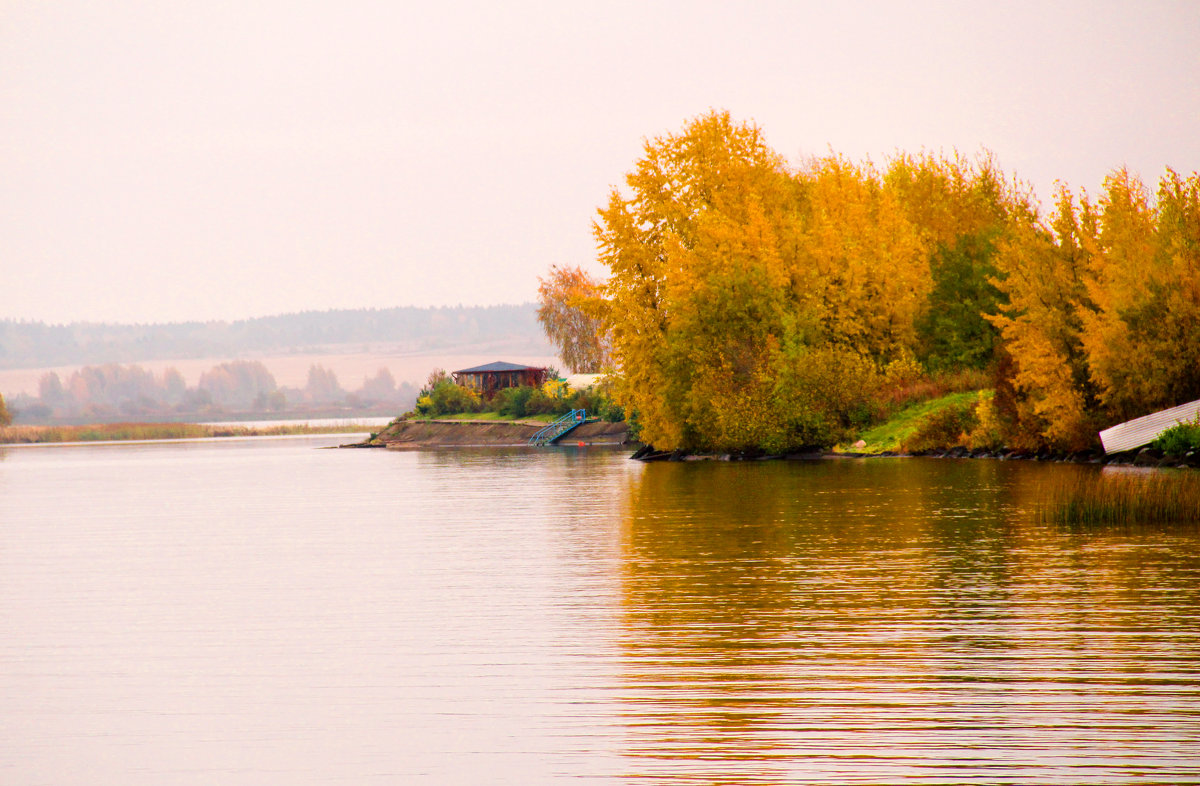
(410, 434)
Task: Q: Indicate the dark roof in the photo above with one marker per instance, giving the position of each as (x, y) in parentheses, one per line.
(499, 365)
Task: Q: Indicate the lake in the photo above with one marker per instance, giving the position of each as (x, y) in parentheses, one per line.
(267, 612)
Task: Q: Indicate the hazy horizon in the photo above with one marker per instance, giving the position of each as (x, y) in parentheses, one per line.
(228, 161)
(531, 301)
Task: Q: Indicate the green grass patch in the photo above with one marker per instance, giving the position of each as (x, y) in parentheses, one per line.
(893, 432)
(485, 417)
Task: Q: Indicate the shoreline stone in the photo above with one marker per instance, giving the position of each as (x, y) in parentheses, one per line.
(1145, 457)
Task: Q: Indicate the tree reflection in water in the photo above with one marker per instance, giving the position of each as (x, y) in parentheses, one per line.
(868, 621)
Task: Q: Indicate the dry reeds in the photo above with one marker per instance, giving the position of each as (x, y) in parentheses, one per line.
(120, 432)
(1125, 498)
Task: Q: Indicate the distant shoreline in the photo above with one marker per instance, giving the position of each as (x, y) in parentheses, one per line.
(142, 432)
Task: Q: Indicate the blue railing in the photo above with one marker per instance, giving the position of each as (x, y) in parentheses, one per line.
(559, 428)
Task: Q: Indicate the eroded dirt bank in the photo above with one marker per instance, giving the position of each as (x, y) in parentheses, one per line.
(411, 434)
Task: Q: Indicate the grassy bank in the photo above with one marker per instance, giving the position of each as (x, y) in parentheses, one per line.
(116, 432)
(482, 417)
(893, 433)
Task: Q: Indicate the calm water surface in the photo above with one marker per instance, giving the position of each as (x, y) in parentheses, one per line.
(265, 612)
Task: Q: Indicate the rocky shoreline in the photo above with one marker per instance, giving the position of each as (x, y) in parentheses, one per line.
(421, 434)
(1143, 457)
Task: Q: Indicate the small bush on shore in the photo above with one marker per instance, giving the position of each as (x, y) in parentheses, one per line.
(441, 397)
(987, 433)
(512, 402)
(1179, 439)
(447, 398)
(947, 427)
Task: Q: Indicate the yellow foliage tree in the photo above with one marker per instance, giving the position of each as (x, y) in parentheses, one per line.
(1043, 271)
(963, 210)
(860, 263)
(1143, 338)
(570, 308)
(1177, 251)
(1103, 323)
(752, 306)
(696, 292)
(730, 275)
(1120, 274)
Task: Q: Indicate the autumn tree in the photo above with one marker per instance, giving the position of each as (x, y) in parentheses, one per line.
(748, 304)
(1177, 254)
(51, 391)
(1103, 320)
(862, 263)
(963, 210)
(569, 310)
(1143, 337)
(381, 387)
(1044, 388)
(238, 383)
(754, 306)
(698, 293)
(322, 386)
(5, 415)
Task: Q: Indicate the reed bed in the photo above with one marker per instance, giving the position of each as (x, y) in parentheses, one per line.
(1127, 498)
(119, 432)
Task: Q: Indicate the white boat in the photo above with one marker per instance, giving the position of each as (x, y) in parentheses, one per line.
(1142, 431)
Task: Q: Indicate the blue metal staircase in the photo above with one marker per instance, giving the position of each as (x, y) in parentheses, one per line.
(559, 428)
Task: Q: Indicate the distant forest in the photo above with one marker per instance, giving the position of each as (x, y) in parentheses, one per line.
(36, 344)
(111, 392)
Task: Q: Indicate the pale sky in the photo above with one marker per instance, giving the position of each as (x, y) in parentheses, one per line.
(218, 160)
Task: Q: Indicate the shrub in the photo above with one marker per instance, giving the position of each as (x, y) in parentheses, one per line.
(902, 372)
(554, 399)
(541, 403)
(435, 378)
(821, 396)
(987, 433)
(613, 413)
(555, 388)
(446, 398)
(1180, 438)
(512, 402)
(451, 399)
(903, 384)
(592, 400)
(948, 427)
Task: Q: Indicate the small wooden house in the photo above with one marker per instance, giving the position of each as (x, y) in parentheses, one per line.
(487, 379)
